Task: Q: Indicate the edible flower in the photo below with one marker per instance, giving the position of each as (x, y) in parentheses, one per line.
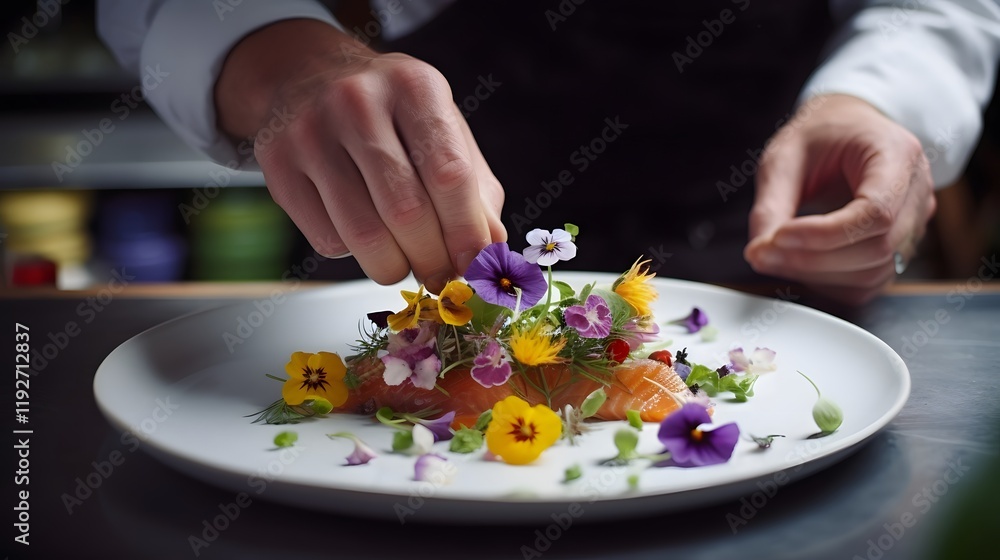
(693, 322)
(547, 248)
(434, 468)
(497, 273)
(451, 303)
(418, 306)
(315, 375)
(440, 427)
(519, 432)
(640, 330)
(592, 319)
(634, 288)
(362, 452)
(417, 441)
(689, 445)
(412, 356)
(534, 347)
(491, 367)
(761, 360)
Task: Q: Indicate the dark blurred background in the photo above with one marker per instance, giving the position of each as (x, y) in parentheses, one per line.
(92, 182)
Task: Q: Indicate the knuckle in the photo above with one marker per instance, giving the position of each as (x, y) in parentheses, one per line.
(419, 78)
(452, 174)
(407, 211)
(364, 236)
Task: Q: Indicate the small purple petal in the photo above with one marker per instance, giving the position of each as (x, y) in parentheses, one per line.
(440, 427)
(433, 468)
(361, 454)
(496, 264)
(711, 448)
(683, 370)
(696, 320)
(738, 361)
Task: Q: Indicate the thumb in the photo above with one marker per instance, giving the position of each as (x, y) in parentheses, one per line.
(778, 191)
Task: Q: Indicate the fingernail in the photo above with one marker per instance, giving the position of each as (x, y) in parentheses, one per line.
(771, 258)
(465, 258)
(788, 241)
(437, 282)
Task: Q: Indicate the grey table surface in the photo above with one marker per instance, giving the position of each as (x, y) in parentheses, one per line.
(894, 498)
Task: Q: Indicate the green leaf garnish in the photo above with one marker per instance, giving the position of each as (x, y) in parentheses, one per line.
(827, 415)
(593, 402)
(286, 439)
(572, 229)
(572, 473)
(401, 441)
(484, 420)
(465, 440)
(634, 419)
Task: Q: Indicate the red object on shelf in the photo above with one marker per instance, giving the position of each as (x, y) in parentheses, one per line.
(33, 272)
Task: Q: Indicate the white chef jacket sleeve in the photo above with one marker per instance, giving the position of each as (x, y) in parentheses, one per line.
(177, 48)
(930, 65)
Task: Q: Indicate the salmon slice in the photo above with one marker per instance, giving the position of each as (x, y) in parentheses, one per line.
(649, 386)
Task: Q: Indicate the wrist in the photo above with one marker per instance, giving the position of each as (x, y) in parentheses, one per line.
(264, 62)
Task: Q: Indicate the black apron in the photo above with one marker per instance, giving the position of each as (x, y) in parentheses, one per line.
(639, 121)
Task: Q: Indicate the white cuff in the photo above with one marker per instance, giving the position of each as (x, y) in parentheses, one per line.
(930, 70)
(183, 53)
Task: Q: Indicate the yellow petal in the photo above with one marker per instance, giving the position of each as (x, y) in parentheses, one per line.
(332, 365)
(519, 433)
(293, 391)
(297, 364)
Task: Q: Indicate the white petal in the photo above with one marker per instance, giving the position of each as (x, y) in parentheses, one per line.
(435, 469)
(548, 259)
(566, 250)
(423, 440)
(396, 370)
(534, 254)
(537, 237)
(561, 236)
(763, 360)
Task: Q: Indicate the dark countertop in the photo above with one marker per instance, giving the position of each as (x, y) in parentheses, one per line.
(898, 497)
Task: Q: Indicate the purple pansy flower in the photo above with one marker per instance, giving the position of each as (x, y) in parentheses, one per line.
(761, 360)
(497, 270)
(640, 330)
(491, 367)
(592, 319)
(693, 322)
(413, 355)
(683, 370)
(688, 445)
(440, 427)
(547, 248)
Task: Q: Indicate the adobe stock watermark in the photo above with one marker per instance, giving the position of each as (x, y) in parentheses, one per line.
(958, 297)
(101, 471)
(215, 524)
(423, 490)
(696, 43)
(580, 159)
(561, 13)
(152, 77)
(921, 503)
(593, 487)
(742, 172)
(899, 16)
(221, 175)
(88, 309)
(264, 308)
(48, 10)
(768, 488)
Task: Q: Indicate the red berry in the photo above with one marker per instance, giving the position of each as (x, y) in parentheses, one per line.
(617, 350)
(663, 356)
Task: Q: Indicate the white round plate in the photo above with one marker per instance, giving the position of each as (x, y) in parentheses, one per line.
(185, 387)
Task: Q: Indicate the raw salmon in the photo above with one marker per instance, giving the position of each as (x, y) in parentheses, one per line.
(645, 385)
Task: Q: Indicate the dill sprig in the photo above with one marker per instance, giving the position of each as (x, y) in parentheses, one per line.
(373, 338)
(280, 412)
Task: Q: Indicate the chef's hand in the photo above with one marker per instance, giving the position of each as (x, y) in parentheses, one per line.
(376, 159)
(839, 146)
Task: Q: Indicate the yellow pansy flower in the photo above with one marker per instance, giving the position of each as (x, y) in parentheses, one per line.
(634, 288)
(534, 347)
(319, 375)
(519, 432)
(451, 303)
(419, 307)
